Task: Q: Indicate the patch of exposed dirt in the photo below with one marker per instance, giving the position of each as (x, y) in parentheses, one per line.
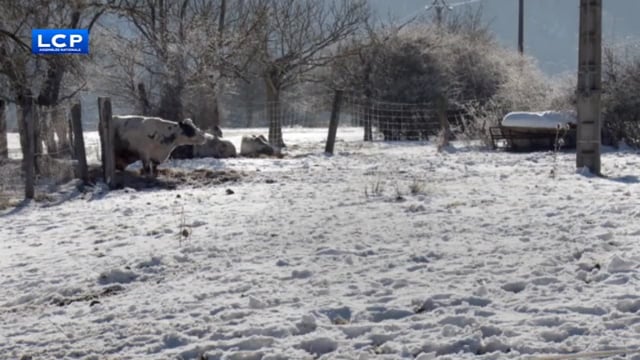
(170, 178)
(92, 298)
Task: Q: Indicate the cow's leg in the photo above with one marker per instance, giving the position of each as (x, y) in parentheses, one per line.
(150, 168)
(146, 168)
(121, 163)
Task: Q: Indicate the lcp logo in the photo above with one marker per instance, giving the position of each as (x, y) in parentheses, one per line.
(60, 41)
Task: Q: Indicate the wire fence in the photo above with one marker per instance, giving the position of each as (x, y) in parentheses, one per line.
(55, 161)
(393, 121)
(288, 113)
(53, 154)
(387, 120)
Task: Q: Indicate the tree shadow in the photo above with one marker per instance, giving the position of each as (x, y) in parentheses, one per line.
(128, 181)
(18, 208)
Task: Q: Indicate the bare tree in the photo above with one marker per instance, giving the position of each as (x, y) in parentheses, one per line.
(48, 80)
(171, 56)
(154, 62)
(296, 38)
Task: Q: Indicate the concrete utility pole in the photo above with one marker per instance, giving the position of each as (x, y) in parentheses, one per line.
(589, 85)
(521, 27)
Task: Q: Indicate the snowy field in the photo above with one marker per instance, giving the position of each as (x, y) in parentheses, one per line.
(383, 251)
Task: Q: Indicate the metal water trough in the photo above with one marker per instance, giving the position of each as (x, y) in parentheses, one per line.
(534, 131)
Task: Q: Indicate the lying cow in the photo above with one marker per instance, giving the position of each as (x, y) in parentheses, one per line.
(192, 152)
(255, 146)
(215, 148)
(151, 140)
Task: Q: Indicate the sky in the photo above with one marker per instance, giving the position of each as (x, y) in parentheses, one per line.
(551, 26)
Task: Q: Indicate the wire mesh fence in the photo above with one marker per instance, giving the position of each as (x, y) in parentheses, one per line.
(387, 120)
(288, 113)
(393, 121)
(51, 154)
(55, 159)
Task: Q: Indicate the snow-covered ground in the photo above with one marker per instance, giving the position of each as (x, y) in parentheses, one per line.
(383, 251)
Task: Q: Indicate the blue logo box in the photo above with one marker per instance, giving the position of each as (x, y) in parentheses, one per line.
(60, 41)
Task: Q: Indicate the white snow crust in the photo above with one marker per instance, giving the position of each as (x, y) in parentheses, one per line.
(382, 251)
(538, 120)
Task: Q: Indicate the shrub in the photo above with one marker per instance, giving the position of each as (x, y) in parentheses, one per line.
(481, 80)
(620, 102)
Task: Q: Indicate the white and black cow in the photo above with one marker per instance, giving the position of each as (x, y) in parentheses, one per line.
(151, 140)
(256, 146)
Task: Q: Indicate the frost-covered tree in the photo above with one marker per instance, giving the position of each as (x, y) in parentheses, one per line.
(168, 58)
(423, 63)
(47, 80)
(296, 38)
(620, 102)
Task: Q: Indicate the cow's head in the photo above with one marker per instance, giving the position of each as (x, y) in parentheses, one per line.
(217, 132)
(190, 134)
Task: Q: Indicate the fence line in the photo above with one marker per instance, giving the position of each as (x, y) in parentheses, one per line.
(388, 120)
(289, 114)
(49, 156)
(381, 120)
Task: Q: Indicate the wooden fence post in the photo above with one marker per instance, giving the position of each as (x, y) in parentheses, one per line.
(333, 123)
(61, 128)
(368, 113)
(445, 130)
(79, 151)
(29, 114)
(106, 141)
(4, 148)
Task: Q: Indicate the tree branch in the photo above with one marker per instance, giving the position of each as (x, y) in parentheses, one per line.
(80, 88)
(95, 18)
(16, 39)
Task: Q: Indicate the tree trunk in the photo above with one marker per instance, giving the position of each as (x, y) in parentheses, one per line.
(62, 130)
(171, 109)
(249, 114)
(171, 103)
(22, 129)
(27, 108)
(48, 133)
(274, 116)
(4, 149)
(215, 119)
(205, 111)
(144, 104)
(28, 120)
(37, 133)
